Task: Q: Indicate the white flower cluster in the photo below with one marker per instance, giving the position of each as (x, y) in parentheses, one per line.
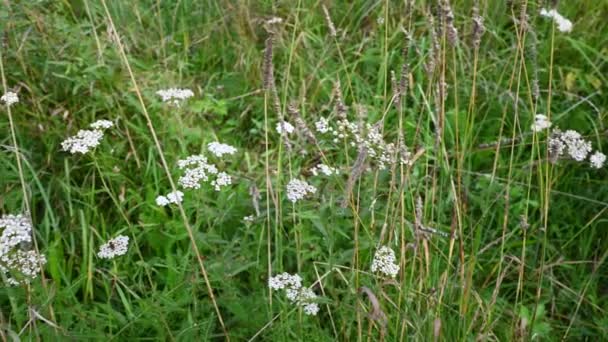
(298, 189)
(384, 262)
(197, 169)
(563, 24)
(597, 159)
(322, 125)
(222, 179)
(19, 265)
(86, 139)
(284, 127)
(102, 124)
(572, 143)
(274, 20)
(175, 95)
(9, 98)
(382, 153)
(171, 198)
(218, 149)
(569, 142)
(541, 122)
(295, 293)
(114, 247)
(324, 169)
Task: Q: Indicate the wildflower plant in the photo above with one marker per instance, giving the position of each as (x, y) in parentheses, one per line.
(114, 247)
(298, 190)
(399, 149)
(175, 96)
(384, 262)
(295, 292)
(324, 169)
(541, 123)
(568, 144)
(9, 98)
(563, 23)
(18, 263)
(218, 149)
(86, 139)
(173, 197)
(284, 128)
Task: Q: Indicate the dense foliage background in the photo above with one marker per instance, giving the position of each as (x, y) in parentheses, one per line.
(521, 243)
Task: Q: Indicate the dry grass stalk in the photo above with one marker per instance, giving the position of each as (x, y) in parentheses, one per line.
(376, 314)
(478, 27)
(357, 170)
(302, 128)
(448, 16)
(330, 23)
(340, 107)
(255, 198)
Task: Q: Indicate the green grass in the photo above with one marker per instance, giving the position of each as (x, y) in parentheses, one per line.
(491, 280)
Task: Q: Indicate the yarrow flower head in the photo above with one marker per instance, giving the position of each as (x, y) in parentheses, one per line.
(9, 98)
(175, 95)
(171, 198)
(540, 123)
(86, 139)
(570, 142)
(298, 189)
(274, 20)
(284, 127)
(597, 160)
(577, 147)
(219, 149)
(114, 247)
(17, 263)
(101, 124)
(197, 169)
(563, 24)
(223, 179)
(384, 262)
(295, 293)
(322, 125)
(324, 169)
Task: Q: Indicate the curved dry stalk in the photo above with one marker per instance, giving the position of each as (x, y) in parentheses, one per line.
(376, 314)
(123, 56)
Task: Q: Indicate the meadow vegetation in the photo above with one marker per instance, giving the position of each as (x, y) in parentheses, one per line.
(304, 170)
